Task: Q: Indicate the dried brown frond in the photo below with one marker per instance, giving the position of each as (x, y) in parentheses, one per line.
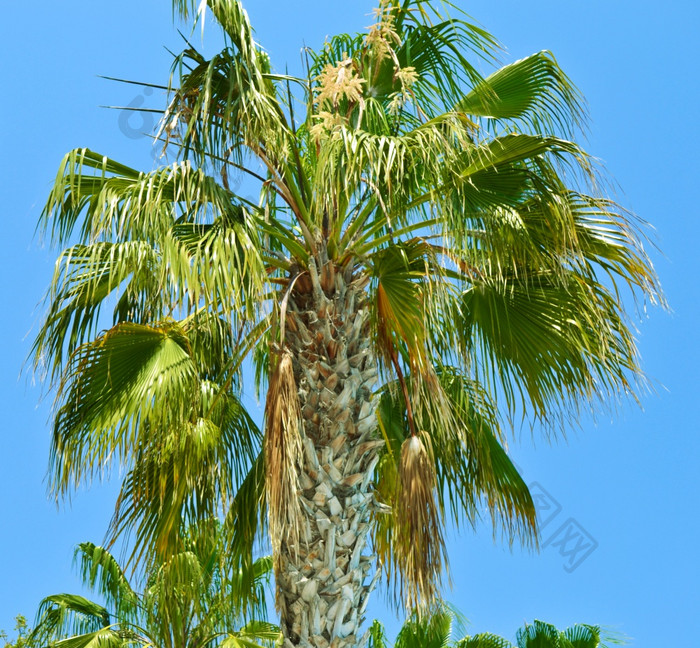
(430, 403)
(419, 543)
(283, 450)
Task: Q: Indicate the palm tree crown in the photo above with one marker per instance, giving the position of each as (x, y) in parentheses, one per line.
(192, 600)
(428, 259)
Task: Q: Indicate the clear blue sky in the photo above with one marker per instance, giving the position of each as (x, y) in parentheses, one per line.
(627, 488)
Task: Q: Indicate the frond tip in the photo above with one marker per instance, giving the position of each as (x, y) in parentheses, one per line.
(420, 546)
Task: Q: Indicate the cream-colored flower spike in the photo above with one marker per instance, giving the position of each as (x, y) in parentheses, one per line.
(340, 81)
(382, 36)
(407, 76)
(327, 122)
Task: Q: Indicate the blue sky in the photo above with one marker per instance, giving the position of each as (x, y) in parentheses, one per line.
(620, 497)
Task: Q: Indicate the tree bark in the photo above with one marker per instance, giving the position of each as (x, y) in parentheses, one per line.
(323, 585)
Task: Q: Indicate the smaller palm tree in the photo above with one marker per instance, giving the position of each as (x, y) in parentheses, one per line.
(194, 599)
(425, 631)
(545, 635)
(22, 638)
(436, 630)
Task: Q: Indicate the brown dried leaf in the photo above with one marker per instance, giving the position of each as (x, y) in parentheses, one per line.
(419, 543)
(283, 451)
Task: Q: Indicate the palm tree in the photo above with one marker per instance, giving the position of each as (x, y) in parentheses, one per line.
(547, 636)
(190, 601)
(436, 630)
(23, 635)
(429, 262)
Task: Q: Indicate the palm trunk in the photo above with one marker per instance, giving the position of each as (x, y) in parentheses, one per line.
(323, 584)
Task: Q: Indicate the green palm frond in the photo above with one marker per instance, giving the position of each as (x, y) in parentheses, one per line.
(62, 614)
(609, 239)
(534, 91)
(177, 593)
(550, 341)
(245, 521)
(474, 454)
(469, 452)
(225, 105)
(226, 109)
(185, 474)
(150, 244)
(503, 152)
(581, 636)
(189, 597)
(436, 628)
(101, 572)
(427, 40)
(214, 349)
(116, 201)
(436, 49)
(430, 632)
(484, 640)
(397, 300)
(85, 276)
(105, 638)
(132, 376)
(538, 635)
(255, 634)
(377, 635)
(188, 438)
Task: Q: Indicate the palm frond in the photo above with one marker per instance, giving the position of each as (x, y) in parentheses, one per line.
(430, 631)
(484, 640)
(397, 303)
(170, 240)
(436, 49)
(533, 91)
(377, 635)
(419, 545)
(131, 376)
(537, 634)
(114, 202)
(256, 634)
(84, 279)
(244, 525)
(474, 454)
(472, 470)
(582, 636)
(68, 614)
(182, 476)
(226, 109)
(105, 638)
(101, 572)
(552, 344)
